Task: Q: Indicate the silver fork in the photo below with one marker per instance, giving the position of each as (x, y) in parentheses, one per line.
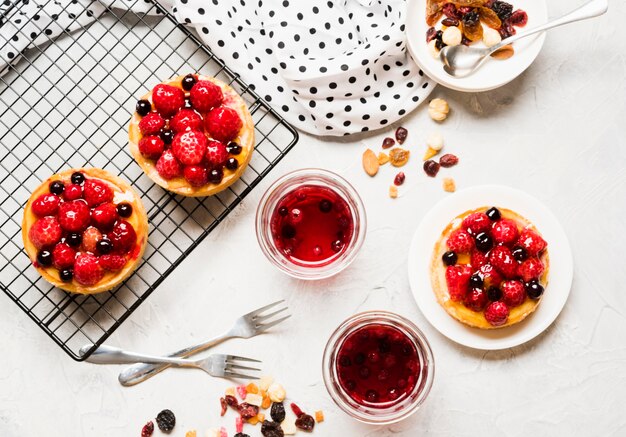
(223, 366)
(246, 326)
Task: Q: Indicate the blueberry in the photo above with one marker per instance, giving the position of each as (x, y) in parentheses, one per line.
(483, 242)
(124, 209)
(78, 178)
(288, 231)
(494, 294)
(216, 175)
(519, 253)
(232, 164)
(233, 148)
(326, 205)
(493, 213)
(449, 258)
(534, 289)
(44, 258)
(143, 107)
(74, 239)
(57, 187)
(167, 135)
(476, 281)
(104, 246)
(66, 275)
(188, 82)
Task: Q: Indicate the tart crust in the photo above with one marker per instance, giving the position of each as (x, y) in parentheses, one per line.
(122, 193)
(179, 185)
(456, 309)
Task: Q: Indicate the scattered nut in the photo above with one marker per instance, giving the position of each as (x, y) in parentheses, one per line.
(503, 53)
(265, 382)
(430, 152)
(276, 391)
(432, 49)
(449, 186)
(398, 157)
(393, 191)
(448, 160)
(452, 36)
(431, 168)
(435, 141)
(491, 37)
(388, 143)
(383, 158)
(438, 109)
(401, 134)
(370, 162)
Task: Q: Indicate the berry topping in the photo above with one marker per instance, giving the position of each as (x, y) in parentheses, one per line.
(497, 313)
(167, 99)
(216, 175)
(190, 147)
(168, 167)
(63, 256)
(504, 231)
(494, 294)
(74, 239)
(188, 82)
(460, 241)
(46, 204)
(223, 123)
(103, 216)
(124, 209)
(530, 269)
(457, 278)
(478, 259)
(186, 119)
(66, 275)
(77, 178)
(513, 293)
(112, 263)
(167, 135)
(123, 236)
(234, 148)
(196, 175)
(216, 153)
(166, 420)
(449, 258)
(96, 192)
(502, 259)
(232, 164)
(74, 216)
(44, 258)
(151, 124)
(104, 246)
(56, 187)
(491, 277)
(476, 223)
(143, 107)
(73, 192)
(494, 214)
(476, 299)
(476, 281)
(531, 242)
(205, 95)
(90, 238)
(87, 270)
(483, 242)
(151, 146)
(534, 289)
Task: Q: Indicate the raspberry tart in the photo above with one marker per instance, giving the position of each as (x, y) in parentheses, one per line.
(490, 268)
(192, 135)
(85, 230)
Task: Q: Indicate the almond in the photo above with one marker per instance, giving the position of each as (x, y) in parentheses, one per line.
(503, 53)
(370, 162)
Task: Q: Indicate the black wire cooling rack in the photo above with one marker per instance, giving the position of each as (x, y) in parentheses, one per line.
(67, 104)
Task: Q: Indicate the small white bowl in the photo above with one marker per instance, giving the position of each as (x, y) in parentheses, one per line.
(494, 73)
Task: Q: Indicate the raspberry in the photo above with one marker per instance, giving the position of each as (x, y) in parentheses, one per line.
(223, 123)
(73, 192)
(502, 259)
(530, 269)
(476, 299)
(91, 236)
(189, 147)
(460, 241)
(216, 153)
(513, 293)
(74, 216)
(168, 167)
(63, 256)
(478, 259)
(167, 99)
(457, 278)
(151, 146)
(186, 119)
(46, 204)
(532, 242)
(103, 216)
(96, 192)
(196, 175)
(205, 95)
(151, 124)
(123, 236)
(491, 277)
(504, 231)
(497, 313)
(112, 263)
(87, 270)
(45, 232)
(476, 223)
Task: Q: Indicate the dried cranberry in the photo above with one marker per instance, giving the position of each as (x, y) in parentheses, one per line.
(231, 401)
(271, 429)
(296, 410)
(451, 11)
(431, 168)
(277, 412)
(147, 429)
(166, 420)
(223, 405)
(448, 160)
(305, 422)
(519, 18)
(450, 22)
(507, 29)
(388, 142)
(247, 411)
(430, 34)
(401, 134)
(399, 179)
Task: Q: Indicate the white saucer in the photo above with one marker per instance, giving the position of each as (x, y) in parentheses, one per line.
(560, 275)
(494, 73)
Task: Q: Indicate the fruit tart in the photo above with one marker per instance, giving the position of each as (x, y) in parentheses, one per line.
(192, 135)
(490, 268)
(85, 230)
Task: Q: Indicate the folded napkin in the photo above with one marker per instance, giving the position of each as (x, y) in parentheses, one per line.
(329, 67)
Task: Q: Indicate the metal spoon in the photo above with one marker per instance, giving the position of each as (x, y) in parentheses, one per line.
(461, 60)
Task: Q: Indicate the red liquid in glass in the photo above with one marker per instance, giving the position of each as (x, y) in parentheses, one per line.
(312, 225)
(378, 365)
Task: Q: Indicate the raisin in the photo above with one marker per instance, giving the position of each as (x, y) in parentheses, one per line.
(388, 142)
(240, 434)
(431, 168)
(166, 420)
(399, 179)
(448, 160)
(278, 412)
(450, 22)
(271, 429)
(430, 34)
(147, 429)
(223, 405)
(247, 411)
(471, 19)
(401, 134)
(305, 422)
(231, 401)
(296, 410)
(503, 9)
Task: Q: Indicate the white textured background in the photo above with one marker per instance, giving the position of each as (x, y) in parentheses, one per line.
(557, 132)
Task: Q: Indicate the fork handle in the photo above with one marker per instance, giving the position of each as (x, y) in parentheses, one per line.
(113, 355)
(142, 370)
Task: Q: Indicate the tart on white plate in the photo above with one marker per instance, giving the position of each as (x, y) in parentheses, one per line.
(85, 230)
(192, 135)
(489, 268)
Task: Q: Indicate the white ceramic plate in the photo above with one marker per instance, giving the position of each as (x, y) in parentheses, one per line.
(559, 280)
(493, 73)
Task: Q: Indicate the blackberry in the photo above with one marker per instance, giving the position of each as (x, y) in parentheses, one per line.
(166, 420)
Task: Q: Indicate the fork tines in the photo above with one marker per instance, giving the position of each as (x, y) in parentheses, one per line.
(231, 367)
(257, 317)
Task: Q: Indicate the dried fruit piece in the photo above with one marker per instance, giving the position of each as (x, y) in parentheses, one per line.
(449, 185)
(401, 134)
(399, 179)
(438, 109)
(247, 411)
(296, 410)
(472, 29)
(276, 392)
(433, 11)
(266, 401)
(398, 157)
(231, 401)
(147, 429)
(252, 388)
(504, 52)
(166, 420)
(388, 143)
(223, 406)
(278, 412)
(231, 391)
(489, 17)
(393, 192)
(370, 162)
(305, 422)
(191, 433)
(431, 168)
(271, 429)
(254, 399)
(265, 382)
(319, 416)
(241, 391)
(430, 152)
(383, 158)
(448, 160)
